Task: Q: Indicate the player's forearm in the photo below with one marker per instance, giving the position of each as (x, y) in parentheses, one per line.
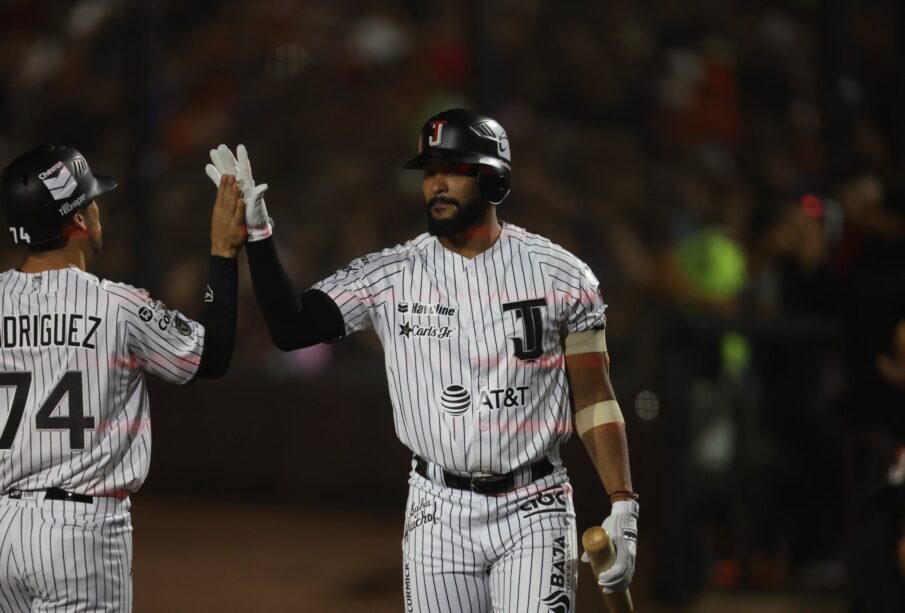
(599, 420)
(608, 448)
(293, 321)
(218, 316)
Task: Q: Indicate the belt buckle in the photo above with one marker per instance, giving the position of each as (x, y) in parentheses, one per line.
(486, 483)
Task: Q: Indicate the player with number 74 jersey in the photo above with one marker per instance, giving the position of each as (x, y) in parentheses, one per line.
(75, 437)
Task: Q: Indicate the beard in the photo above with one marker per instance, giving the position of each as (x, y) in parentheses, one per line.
(468, 214)
(96, 241)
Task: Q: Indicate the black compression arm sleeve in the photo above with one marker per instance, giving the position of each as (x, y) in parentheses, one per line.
(294, 321)
(218, 316)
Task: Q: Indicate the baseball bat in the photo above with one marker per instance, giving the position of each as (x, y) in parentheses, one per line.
(600, 550)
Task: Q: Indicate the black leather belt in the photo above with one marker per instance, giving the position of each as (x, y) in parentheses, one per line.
(54, 493)
(486, 483)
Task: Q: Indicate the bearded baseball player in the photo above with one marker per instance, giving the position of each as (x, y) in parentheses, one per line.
(487, 330)
(75, 438)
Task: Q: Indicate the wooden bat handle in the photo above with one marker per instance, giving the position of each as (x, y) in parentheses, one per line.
(600, 550)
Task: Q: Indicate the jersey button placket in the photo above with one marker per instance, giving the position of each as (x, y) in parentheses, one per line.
(472, 273)
(466, 291)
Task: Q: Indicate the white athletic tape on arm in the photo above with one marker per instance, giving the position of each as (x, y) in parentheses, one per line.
(589, 341)
(597, 414)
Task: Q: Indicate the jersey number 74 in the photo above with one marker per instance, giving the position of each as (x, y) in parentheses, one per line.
(75, 422)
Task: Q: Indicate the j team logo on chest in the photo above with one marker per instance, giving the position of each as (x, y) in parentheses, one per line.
(528, 347)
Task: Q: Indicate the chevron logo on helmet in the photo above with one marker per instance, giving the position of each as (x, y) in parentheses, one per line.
(62, 185)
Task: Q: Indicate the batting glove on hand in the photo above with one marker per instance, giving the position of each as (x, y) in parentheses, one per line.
(259, 225)
(622, 526)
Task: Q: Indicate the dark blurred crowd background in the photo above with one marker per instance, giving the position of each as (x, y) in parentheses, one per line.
(732, 171)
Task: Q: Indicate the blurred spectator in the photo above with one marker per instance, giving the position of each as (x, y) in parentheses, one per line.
(872, 295)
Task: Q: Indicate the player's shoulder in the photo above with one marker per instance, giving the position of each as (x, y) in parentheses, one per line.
(542, 248)
(123, 293)
(389, 258)
(9, 277)
(47, 281)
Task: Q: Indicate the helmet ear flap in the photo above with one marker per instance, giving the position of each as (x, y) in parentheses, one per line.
(493, 184)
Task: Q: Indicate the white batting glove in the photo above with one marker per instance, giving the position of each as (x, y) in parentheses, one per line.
(622, 526)
(258, 224)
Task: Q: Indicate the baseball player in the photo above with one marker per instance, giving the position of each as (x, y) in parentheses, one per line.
(487, 330)
(75, 438)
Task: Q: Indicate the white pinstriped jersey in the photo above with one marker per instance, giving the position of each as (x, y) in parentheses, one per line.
(74, 351)
(474, 348)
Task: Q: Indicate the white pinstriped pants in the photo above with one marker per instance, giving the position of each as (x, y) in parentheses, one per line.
(58, 555)
(469, 553)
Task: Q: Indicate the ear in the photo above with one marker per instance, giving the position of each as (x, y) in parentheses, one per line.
(78, 221)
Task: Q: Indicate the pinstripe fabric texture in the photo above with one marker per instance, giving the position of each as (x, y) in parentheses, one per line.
(474, 348)
(468, 553)
(473, 351)
(65, 556)
(74, 415)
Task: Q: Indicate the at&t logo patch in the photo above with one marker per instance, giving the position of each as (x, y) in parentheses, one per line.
(504, 397)
(455, 400)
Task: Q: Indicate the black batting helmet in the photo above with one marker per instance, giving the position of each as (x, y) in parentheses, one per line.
(460, 135)
(42, 188)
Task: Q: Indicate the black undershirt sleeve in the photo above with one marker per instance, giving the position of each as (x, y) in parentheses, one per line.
(294, 320)
(218, 316)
